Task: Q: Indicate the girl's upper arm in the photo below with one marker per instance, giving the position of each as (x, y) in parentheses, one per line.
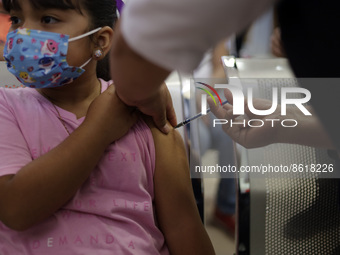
(176, 209)
(14, 152)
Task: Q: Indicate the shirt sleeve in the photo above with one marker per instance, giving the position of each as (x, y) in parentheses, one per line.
(14, 152)
(175, 34)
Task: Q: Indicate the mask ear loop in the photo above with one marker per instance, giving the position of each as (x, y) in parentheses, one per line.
(84, 35)
(83, 65)
(97, 54)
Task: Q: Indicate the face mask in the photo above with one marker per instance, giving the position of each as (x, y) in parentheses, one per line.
(38, 58)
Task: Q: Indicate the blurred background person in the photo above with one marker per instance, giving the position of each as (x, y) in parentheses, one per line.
(4, 27)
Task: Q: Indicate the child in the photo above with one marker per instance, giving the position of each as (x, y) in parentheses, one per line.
(80, 172)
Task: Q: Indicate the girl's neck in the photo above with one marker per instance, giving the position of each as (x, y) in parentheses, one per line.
(76, 96)
(79, 90)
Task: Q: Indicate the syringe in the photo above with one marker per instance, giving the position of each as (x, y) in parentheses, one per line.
(188, 120)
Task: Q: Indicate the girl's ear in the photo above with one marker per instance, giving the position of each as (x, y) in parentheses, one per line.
(103, 42)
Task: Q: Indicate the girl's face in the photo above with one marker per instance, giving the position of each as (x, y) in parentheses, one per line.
(70, 22)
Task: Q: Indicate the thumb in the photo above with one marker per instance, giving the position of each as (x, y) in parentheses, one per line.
(161, 123)
(111, 89)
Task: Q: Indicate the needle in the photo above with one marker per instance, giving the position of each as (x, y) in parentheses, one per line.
(188, 120)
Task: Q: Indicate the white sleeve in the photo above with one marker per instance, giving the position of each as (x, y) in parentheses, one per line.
(175, 34)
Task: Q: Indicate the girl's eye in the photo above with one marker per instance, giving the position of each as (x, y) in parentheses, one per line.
(15, 20)
(49, 20)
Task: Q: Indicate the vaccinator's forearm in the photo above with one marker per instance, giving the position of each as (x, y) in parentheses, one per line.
(136, 79)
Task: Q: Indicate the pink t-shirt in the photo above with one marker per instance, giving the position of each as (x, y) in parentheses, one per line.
(112, 213)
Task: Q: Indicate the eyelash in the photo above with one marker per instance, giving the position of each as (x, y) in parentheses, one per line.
(15, 20)
(49, 17)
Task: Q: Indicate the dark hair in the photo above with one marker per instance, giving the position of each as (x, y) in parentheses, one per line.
(102, 13)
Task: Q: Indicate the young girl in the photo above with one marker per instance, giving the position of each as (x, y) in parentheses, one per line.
(80, 172)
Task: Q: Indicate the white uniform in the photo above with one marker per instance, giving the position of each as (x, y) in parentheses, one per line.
(175, 34)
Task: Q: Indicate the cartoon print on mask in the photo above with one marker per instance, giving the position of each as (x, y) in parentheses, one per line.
(26, 77)
(49, 47)
(67, 81)
(46, 64)
(9, 64)
(24, 31)
(10, 44)
(55, 78)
